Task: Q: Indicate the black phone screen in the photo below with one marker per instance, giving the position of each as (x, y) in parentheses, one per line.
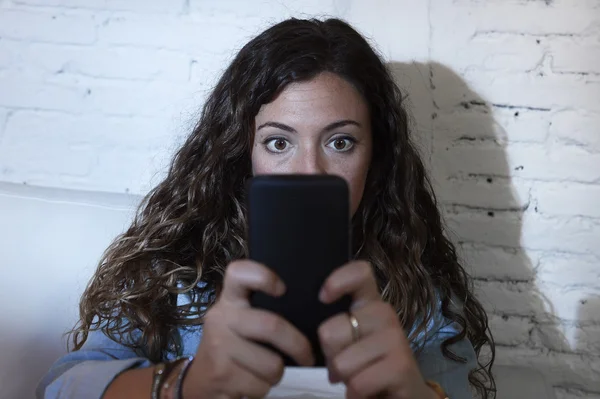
(299, 227)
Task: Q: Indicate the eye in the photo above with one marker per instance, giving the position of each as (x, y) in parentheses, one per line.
(342, 144)
(276, 144)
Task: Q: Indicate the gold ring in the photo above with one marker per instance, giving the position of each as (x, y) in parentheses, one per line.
(355, 328)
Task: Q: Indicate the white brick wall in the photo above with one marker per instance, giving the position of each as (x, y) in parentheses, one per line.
(96, 94)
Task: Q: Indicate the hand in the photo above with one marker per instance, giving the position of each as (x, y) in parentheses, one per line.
(380, 363)
(229, 363)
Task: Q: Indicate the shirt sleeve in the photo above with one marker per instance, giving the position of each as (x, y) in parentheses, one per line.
(86, 373)
(453, 376)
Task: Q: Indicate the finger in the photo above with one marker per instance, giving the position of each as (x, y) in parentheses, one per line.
(263, 363)
(267, 327)
(336, 333)
(365, 352)
(245, 276)
(243, 383)
(355, 279)
(377, 378)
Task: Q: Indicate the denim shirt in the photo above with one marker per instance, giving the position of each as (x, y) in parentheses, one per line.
(86, 373)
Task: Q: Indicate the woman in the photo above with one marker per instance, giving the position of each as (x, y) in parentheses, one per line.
(305, 96)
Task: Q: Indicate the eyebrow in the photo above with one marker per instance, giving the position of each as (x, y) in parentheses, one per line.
(331, 126)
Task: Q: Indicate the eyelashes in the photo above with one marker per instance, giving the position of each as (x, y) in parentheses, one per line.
(280, 144)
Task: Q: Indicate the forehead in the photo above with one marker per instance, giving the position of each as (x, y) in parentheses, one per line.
(325, 97)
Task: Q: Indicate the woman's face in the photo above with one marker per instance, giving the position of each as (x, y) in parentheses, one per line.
(320, 126)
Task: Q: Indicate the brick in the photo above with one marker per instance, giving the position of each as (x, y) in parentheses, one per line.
(122, 63)
(560, 369)
(203, 37)
(577, 235)
(477, 227)
(552, 269)
(539, 90)
(536, 91)
(574, 55)
(411, 77)
(509, 229)
(589, 310)
(577, 127)
(76, 95)
(568, 337)
(560, 162)
(378, 21)
(510, 330)
(3, 119)
(567, 199)
(506, 298)
(83, 152)
(145, 99)
(525, 161)
(52, 27)
(551, 335)
(144, 168)
(139, 6)
(265, 10)
(528, 17)
(497, 124)
(521, 125)
(462, 161)
(489, 194)
(587, 339)
(20, 91)
(502, 53)
(6, 58)
(571, 304)
(27, 145)
(563, 393)
(147, 30)
(499, 263)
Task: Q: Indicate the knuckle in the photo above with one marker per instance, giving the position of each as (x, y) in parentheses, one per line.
(358, 387)
(338, 366)
(325, 333)
(215, 343)
(272, 324)
(232, 270)
(366, 270)
(276, 372)
(305, 348)
(220, 371)
(389, 314)
(365, 265)
(255, 389)
(262, 390)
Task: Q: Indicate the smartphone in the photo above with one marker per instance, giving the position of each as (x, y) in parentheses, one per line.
(299, 227)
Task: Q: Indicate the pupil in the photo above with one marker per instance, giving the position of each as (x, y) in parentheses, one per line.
(280, 144)
(339, 144)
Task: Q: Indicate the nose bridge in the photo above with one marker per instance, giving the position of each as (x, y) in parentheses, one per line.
(310, 160)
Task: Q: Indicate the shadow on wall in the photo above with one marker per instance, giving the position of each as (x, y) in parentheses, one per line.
(465, 145)
(588, 333)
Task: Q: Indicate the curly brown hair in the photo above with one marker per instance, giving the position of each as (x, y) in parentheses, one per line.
(193, 224)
